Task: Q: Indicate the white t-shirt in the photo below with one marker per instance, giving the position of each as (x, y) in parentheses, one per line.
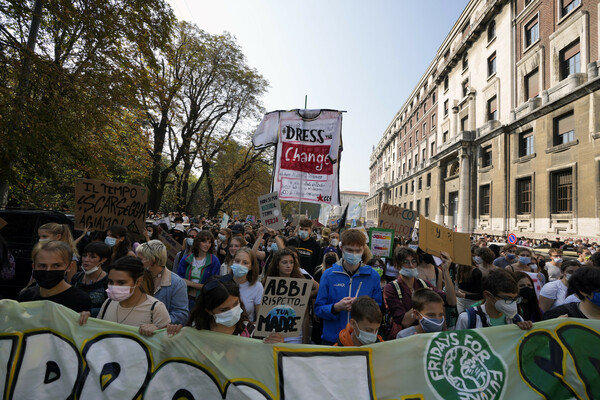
(554, 272)
(555, 290)
(197, 266)
(251, 296)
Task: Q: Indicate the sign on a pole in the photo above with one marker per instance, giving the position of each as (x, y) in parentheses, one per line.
(270, 211)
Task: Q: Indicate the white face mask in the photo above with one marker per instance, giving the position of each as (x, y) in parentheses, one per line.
(229, 318)
(334, 242)
(91, 270)
(365, 337)
(510, 310)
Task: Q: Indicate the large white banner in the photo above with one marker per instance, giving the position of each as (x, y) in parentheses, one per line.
(308, 148)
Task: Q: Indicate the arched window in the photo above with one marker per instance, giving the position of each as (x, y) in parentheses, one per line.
(454, 169)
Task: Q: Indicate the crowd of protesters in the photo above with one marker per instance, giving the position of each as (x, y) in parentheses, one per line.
(216, 281)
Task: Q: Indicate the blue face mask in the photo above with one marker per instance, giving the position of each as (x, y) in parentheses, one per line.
(409, 272)
(111, 241)
(595, 298)
(303, 234)
(274, 247)
(432, 324)
(239, 270)
(478, 260)
(525, 260)
(352, 259)
(510, 256)
(189, 242)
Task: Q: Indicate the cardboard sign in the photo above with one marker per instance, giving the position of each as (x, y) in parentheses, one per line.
(381, 242)
(401, 220)
(100, 205)
(3, 223)
(270, 211)
(172, 245)
(224, 221)
(283, 306)
(434, 239)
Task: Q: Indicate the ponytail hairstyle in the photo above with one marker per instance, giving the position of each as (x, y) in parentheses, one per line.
(133, 267)
(122, 248)
(214, 293)
(65, 234)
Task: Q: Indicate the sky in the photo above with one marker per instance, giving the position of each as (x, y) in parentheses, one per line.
(357, 56)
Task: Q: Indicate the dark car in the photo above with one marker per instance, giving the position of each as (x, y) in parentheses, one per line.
(21, 233)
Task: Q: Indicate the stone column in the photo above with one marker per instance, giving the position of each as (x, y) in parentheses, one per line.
(439, 217)
(464, 191)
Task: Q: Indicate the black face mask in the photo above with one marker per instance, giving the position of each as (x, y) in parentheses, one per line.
(48, 279)
(527, 293)
(330, 260)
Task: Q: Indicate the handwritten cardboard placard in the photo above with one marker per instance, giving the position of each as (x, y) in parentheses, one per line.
(270, 211)
(100, 205)
(434, 239)
(283, 307)
(401, 220)
(172, 245)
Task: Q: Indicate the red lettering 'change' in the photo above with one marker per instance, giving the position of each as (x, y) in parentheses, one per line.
(306, 158)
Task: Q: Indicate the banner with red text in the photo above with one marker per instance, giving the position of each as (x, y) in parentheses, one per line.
(308, 149)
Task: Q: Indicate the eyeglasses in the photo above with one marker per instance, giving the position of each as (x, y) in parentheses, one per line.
(213, 284)
(510, 300)
(410, 262)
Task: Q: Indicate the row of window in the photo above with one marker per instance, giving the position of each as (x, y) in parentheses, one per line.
(412, 185)
(561, 194)
(563, 133)
(411, 204)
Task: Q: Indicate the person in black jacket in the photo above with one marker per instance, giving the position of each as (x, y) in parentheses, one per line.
(307, 247)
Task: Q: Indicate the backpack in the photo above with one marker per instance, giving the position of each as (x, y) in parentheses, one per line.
(474, 312)
(391, 327)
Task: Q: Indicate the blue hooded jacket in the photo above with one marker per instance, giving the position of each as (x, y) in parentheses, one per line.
(335, 285)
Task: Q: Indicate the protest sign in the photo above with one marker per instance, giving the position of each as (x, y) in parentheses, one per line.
(100, 205)
(308, 149)
(401, 220)
(283, 307)
(236, 215)
(434, 238)
(173, 247)
(166, 221)
(224, 221)
(324, 213)
(46, 354)
(270, 211)
(381, 242)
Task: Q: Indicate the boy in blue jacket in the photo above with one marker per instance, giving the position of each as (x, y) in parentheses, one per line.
(341, 284)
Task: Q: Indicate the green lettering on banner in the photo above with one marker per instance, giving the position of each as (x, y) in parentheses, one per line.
(45, 354)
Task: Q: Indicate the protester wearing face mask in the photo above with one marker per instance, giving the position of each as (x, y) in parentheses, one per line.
(365, 319)
(554, 293)
(245, 273)
(584, 256)
(509, 256)
(585, 284)
(484, 259)
(553, 266)
(529, 307)
(524, 264)
(93, 279)
(500, 305)
(127, 303)
(397, 294)
(118, 239)
(168, 287)
(51, 262)
(428, 310)
(342, 284)
(307, 247)
(219, 309)
(187, 248)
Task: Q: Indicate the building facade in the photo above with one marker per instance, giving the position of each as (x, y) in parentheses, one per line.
(354, 198)
(502, 132)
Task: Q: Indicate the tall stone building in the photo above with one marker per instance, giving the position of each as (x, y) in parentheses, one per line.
(502, 132)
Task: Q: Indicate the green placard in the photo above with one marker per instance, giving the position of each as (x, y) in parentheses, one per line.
(381, 242)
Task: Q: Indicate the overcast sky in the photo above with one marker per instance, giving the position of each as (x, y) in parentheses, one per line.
(361, 57)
